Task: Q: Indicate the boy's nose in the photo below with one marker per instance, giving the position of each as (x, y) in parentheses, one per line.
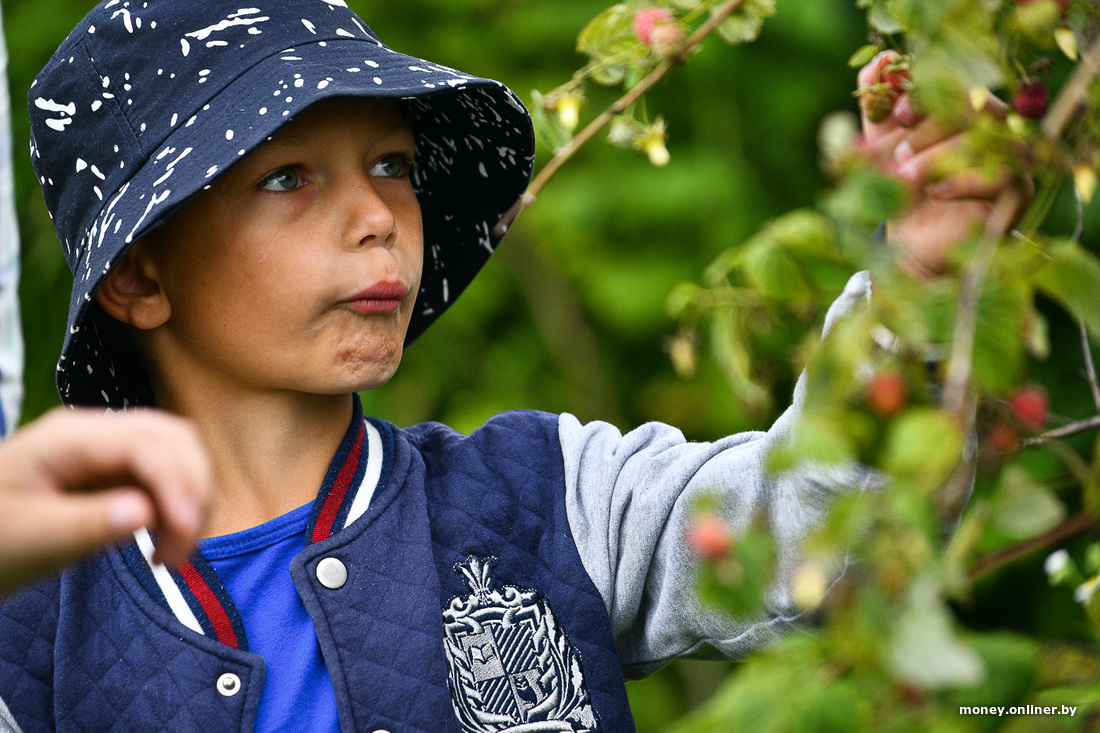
(370, 217)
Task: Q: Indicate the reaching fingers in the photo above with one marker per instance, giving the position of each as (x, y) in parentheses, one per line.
(156, 452)
(929, 131)
(47, 531)
(921, 172)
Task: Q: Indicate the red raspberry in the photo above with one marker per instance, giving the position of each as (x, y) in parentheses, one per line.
(1031, 99)
(665, 40)
(894, 73)
(646, 21)
(892, 80)
(1004, 438)
(709, 536)
(1030, 406)
(887, 393)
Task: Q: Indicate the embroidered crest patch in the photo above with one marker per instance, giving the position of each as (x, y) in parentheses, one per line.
(512, 669)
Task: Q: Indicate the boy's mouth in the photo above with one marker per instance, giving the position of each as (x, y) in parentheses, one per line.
(382, 297)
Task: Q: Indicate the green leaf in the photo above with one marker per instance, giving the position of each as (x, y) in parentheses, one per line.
(1025, 507)
(867, 197)
(610, 75)
(883, 22)
(776, 259)
(923, 445)
(548, 129)
(745, 23)
(735, 356)
(685, 295)
(609, 41)
(925, 651)
(836, 708)
(815, 437)
(611, 25)
(863, 55)
(773, 271)
(999, 341)
(1072, 277)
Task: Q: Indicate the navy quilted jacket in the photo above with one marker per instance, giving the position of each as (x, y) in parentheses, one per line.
(465, 608)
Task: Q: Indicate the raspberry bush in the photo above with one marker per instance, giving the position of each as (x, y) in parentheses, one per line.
(936, 385)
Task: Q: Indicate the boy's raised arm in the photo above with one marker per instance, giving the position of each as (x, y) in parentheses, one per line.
(631, 498)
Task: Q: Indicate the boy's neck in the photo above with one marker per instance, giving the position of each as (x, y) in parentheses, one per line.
(270, 452)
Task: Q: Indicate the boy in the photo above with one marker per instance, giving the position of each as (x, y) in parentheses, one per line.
(252, 244)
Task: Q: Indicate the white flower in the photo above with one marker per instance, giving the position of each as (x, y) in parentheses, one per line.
(1055, 562)
(1085, 590)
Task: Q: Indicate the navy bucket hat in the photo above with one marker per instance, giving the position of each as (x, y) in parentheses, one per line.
(149, 101)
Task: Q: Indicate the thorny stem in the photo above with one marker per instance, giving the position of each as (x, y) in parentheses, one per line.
(997, 560)
(1073, 93)
(1090, 368)
(957, 384)
(1074, 428)
(604, 119)
(1086, 348)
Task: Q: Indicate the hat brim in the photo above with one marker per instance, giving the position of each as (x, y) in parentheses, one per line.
(475, 153)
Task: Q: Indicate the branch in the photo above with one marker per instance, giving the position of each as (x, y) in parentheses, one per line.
(1090, 368)
(995, 561)
(1073, 93)
(633, 95)
(1074, 428)
(957, 385)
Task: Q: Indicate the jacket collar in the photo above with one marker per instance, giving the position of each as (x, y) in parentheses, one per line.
(192, 592)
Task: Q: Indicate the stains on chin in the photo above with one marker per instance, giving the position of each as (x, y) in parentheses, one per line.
(372, 359)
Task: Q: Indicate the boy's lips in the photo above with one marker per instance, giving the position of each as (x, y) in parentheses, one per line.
(382, 297)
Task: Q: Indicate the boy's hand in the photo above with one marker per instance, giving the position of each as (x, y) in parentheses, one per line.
(942, 212)
(72, 482)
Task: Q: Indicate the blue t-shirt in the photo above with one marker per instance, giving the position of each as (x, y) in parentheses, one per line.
(254, 566)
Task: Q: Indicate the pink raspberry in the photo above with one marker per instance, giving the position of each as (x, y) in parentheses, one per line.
(647, 20)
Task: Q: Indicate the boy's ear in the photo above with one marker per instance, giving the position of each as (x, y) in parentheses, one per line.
(132, 293)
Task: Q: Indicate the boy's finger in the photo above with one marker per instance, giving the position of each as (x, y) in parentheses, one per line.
(177, 477)
(929, 131)
(159, 453)
(920, 173)
(919, 170)
(905, 114)
(78, 524)
(920, 138)
(969, 184)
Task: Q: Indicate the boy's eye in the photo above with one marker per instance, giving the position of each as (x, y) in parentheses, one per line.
(284, 179)
(392, 166)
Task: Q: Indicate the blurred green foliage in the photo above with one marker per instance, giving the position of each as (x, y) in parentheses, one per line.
(571, 315)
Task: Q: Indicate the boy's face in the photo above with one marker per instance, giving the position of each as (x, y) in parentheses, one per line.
(298, 269)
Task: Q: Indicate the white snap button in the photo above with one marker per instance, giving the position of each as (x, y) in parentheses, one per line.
(332, 573)
(229, 684)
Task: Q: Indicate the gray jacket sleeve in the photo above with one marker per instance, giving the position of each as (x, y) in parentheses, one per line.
(630, 497)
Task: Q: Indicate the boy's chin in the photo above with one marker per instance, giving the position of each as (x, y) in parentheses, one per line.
(374, 377)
